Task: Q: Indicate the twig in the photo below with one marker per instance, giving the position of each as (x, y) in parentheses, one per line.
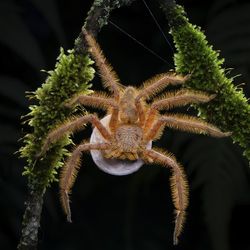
(98, 17)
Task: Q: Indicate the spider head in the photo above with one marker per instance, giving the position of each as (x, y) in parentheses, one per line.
(128, 111)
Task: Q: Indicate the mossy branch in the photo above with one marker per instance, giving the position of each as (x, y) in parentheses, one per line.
(230, 110)
(71, 75)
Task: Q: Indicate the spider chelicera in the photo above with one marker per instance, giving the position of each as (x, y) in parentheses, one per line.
(133, 123)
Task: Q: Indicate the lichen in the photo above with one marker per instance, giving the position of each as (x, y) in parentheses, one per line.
(71, 75)
(230, 110)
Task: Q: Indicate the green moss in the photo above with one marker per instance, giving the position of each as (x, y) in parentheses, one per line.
(71, 75)
(230, 110)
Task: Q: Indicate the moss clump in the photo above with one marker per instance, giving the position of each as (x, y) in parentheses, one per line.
(230, 110)
(71, 75)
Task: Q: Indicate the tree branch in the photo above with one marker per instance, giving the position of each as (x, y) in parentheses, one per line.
(230, 110)
(98, 17)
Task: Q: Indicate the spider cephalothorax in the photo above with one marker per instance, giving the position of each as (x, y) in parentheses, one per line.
(133, 124)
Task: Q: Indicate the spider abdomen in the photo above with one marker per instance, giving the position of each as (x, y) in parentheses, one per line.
(129, 138)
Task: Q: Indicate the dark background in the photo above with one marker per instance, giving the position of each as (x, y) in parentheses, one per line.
(132, 212)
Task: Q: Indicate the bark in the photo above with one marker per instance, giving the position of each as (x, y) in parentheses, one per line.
(31, 219)
(98, 17)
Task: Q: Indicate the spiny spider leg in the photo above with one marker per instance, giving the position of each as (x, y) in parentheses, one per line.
(184, 123)
(181, 98)
(174, 99)
(179, 186)
(153, 86)
(94, 100)
(69, 172)
(99, 101)
(72, 126)
(108, 75)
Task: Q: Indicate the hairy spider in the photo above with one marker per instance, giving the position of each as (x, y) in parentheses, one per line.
(132, 125)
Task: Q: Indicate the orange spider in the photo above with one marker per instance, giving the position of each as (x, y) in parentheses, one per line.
(132, 125)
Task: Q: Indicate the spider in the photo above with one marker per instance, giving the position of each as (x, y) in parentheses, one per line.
(133, 124)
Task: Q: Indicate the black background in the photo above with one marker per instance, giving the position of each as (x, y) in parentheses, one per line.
(132, 212)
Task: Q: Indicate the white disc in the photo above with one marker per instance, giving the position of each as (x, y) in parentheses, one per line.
(113, 166)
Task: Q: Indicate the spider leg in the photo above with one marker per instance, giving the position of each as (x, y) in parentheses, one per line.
(109, 77)
(69, 172)
(97, 100)
(72, 126)
(184, 123)
(175, 99)
(153, 86)
(181, 98)
(179, 186)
